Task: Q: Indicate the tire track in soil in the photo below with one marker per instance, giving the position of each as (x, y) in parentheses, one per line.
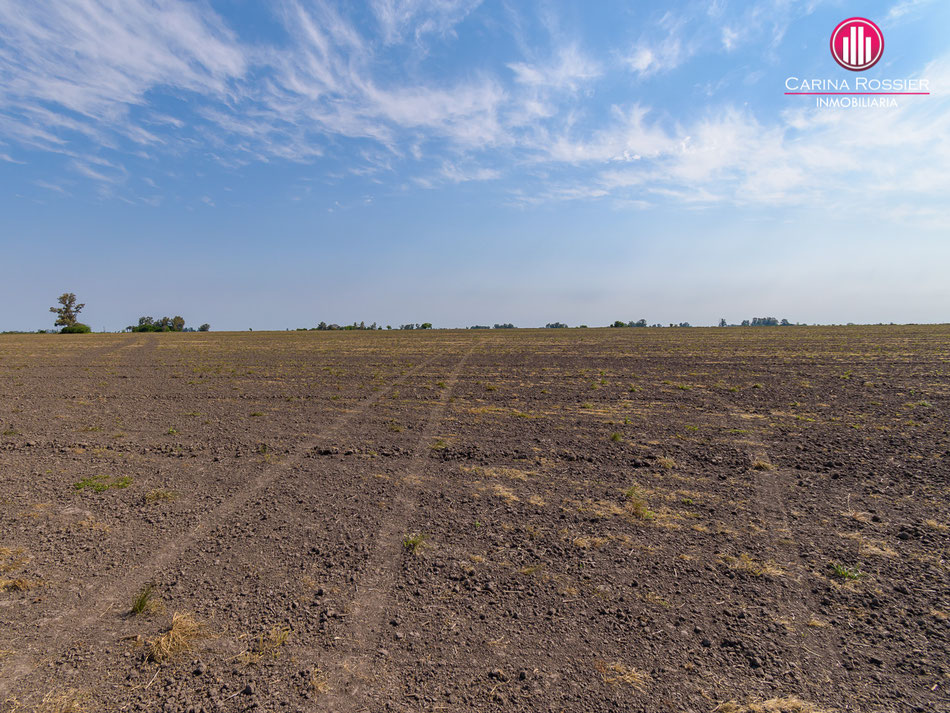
(16, 666)
(350, 678)
(771, 504)
(109, 348)
(771, 487)
(73, 623)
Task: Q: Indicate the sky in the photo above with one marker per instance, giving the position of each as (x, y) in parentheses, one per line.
(269, 165)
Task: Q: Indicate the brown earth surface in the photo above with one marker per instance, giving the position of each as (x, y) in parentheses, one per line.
(506, 520)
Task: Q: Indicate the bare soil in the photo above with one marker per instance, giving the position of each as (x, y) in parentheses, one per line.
(512, 520)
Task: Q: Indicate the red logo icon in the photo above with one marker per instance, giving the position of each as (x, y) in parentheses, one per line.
(857, 44)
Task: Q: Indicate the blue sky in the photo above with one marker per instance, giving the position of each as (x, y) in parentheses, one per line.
(271, 165)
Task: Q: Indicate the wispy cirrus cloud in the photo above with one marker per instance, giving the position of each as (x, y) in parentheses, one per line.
(906, 7)
(100, 81)
(324, 83)
(569, 69)
(655, 56)
(98, 59)
(51, 187)
(805, 158)
(416, 18)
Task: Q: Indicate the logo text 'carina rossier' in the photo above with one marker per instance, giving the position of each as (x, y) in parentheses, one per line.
(857, 44)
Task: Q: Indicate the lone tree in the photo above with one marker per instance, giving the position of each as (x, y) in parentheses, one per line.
(69, 312)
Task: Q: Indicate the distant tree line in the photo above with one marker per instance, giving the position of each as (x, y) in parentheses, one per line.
(67, 317)
(361, 326)
(165, 324)
(324, 327)
(766, 322)
(758, 322)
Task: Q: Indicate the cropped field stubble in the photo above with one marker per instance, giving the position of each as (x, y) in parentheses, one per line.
(581, 520)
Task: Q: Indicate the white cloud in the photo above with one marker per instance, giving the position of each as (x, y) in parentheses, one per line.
(457, 174)
(88, 171)
(81, 72)
(570, 69)
(325, 83)
(663, 49)
(806, 156)
(630, 137)
(905, 7)
(50, 187)
(400, 18)
(730, 38)
(98, 58)
(663, 56)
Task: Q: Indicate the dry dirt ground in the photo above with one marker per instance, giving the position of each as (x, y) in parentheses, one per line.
(550, 520)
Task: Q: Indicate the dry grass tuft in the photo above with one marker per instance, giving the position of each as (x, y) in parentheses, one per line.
(597, 508)
(160, 495)
(16, 585)
(857, 516)
(762, 464)
(637, 505)
(68, 701)
(319, 681)
(179, 638)
(414, 542)
(617, 673)
(498, 472)
(587, 542)
(745, 563)
(790, 704)
(502, 492)
(666, 462)
(267, 646)
(870, 548)
(91, 523)
(11, 559)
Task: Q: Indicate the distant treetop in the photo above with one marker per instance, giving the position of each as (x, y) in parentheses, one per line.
(67, 314)
(164, 324)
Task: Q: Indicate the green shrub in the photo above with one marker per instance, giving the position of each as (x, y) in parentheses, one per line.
(413, 542)
(842, 572)
(101, 483)
(77, 328)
